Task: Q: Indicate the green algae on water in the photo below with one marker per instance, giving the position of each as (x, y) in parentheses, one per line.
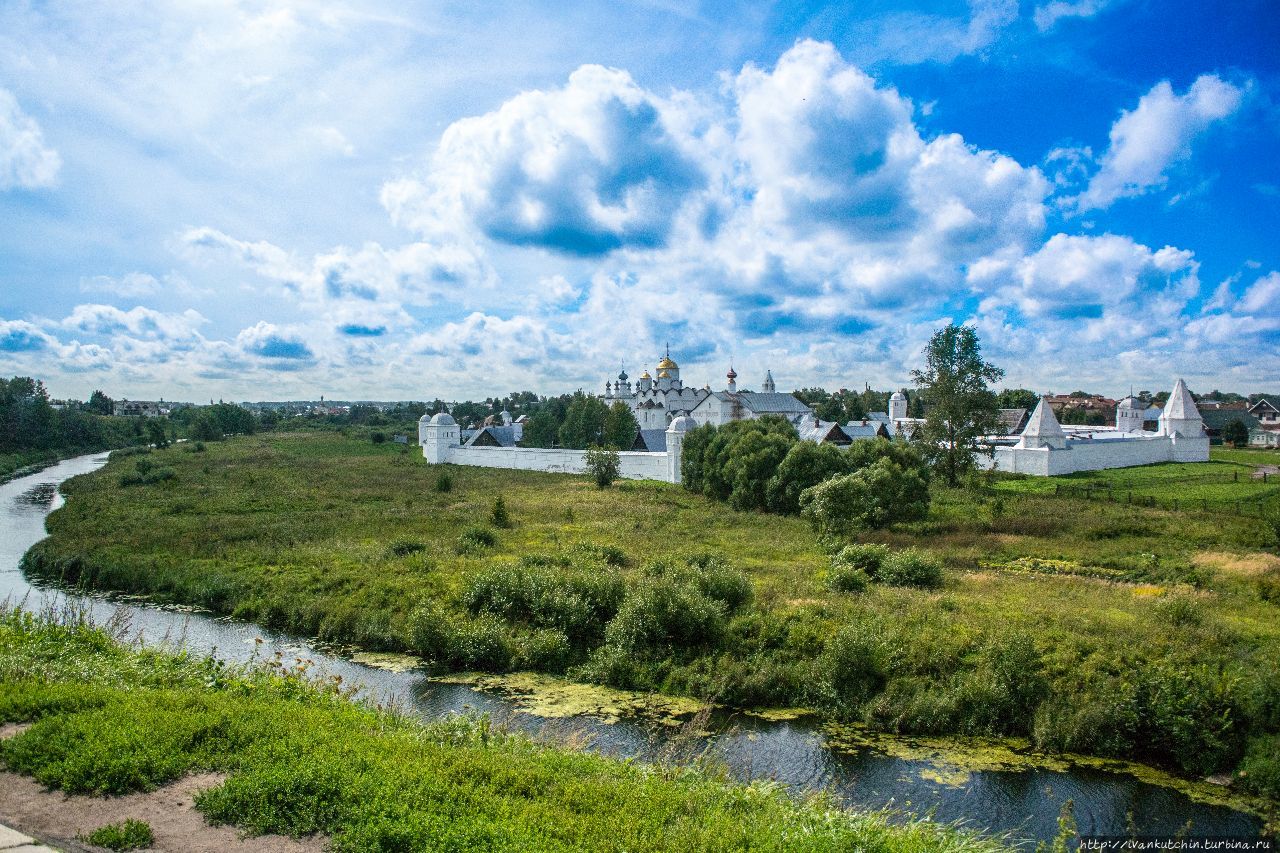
(550, 697)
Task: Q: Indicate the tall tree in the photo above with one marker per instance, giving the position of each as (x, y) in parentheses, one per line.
(1017, 398)
(620, 426)
(583, 422)
(101, 404)
(961, 406)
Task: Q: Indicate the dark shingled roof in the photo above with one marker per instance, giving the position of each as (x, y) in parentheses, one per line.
(494, 436)
(650, 441)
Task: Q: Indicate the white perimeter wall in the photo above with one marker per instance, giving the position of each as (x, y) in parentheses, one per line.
(1100, 455)
(633, 465)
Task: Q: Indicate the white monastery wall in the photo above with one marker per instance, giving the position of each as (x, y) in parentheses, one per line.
(1100, 455)
(633, 465)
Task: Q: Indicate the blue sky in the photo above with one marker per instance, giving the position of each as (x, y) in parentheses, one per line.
(394, 200)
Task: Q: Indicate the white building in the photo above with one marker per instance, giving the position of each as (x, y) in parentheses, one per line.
(656, 402)
(1045, 448)
(733, 404)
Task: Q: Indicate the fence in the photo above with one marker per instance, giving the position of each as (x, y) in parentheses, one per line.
(1253, 504)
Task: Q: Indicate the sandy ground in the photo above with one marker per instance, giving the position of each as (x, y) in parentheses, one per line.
(58, 818)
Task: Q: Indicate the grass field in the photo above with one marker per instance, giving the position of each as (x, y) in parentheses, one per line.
(1224, 484)
(303, 759)
(1090, 626)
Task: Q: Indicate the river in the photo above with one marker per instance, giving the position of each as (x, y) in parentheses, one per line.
(1023, 803)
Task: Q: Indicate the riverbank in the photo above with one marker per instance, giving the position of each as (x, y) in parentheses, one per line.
(1088, 628)
(302, 759)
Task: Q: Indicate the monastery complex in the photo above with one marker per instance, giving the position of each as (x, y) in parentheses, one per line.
(666, 409)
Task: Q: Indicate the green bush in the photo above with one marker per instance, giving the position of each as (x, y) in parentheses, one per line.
(608, 554)
(874, 497)
(1093, 719)
(1259, 772)
(806, 464)
(377, 436)
(603, 464)
(577, 602)
(444, 483)
(663, 615)
(405, 547)
(911, 567)
(1187, 716)
(475, 539)
(847, 579)
(853, 667)
(543, 650)
(498, 515)
(128, 835)
(719, 581)
(868, 558)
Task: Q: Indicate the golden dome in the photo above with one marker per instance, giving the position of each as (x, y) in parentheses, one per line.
(645, 375)
(662, 374)
(666, 363)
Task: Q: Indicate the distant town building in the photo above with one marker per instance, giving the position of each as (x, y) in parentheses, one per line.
(138, 409)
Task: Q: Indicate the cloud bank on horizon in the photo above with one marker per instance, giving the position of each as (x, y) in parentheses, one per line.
(273, 200)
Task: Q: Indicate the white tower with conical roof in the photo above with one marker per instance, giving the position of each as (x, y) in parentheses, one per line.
(1181, 422)
(1180, 416)
(767, 386)
(1043, 430)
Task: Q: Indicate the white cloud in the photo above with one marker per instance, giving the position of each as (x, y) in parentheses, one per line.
(1048, 15)
(1263, 296)
(584, 169)
(1090, 280)
(909, 38)
(140, 322)
(25, 162)
(1157, 134)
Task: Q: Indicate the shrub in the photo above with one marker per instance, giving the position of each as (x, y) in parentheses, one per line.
(498, 515)
(546, 650)
(444, 483)
(405, 547)
(1187, 716)
(661, 614)
(146, 473)
(806, 464)
(128, 835)
(604, 465)
(910, 567)
(1180, 611)
(377, 436)
(576, 602)
(867, 558)
(853, 666)
(482, 644)
(475, 539)
(876, 496)
(1095, 719)
(1259, 772)
(847, 579)
(719, 581)
(608, 554)
(433, 633)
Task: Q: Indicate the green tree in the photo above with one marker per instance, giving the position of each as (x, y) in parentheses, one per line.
(584, 422)
(543, 426)
(961, 406)
(603, 464)
(755, 457)
(806, 464)
(101, 404)
(1236, 433)
(620, 426)
(205, 427)
(156, 433)
(1017, 398)
(876, 496)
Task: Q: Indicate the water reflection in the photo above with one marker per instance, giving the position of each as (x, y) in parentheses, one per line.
(1025, 803)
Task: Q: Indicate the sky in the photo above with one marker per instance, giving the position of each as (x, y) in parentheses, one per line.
(399, 200)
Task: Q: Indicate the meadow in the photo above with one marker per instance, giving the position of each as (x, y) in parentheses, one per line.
(303, 758)
(1089, 626)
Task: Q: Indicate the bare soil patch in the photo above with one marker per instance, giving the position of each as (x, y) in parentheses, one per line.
(56, 817)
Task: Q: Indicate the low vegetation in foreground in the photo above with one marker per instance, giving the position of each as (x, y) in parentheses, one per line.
(1089, 626)
(302, 758)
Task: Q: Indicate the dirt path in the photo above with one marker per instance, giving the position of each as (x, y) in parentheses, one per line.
(58, 818)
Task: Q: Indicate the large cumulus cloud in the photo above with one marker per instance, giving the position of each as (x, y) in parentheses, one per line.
(593, 166)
